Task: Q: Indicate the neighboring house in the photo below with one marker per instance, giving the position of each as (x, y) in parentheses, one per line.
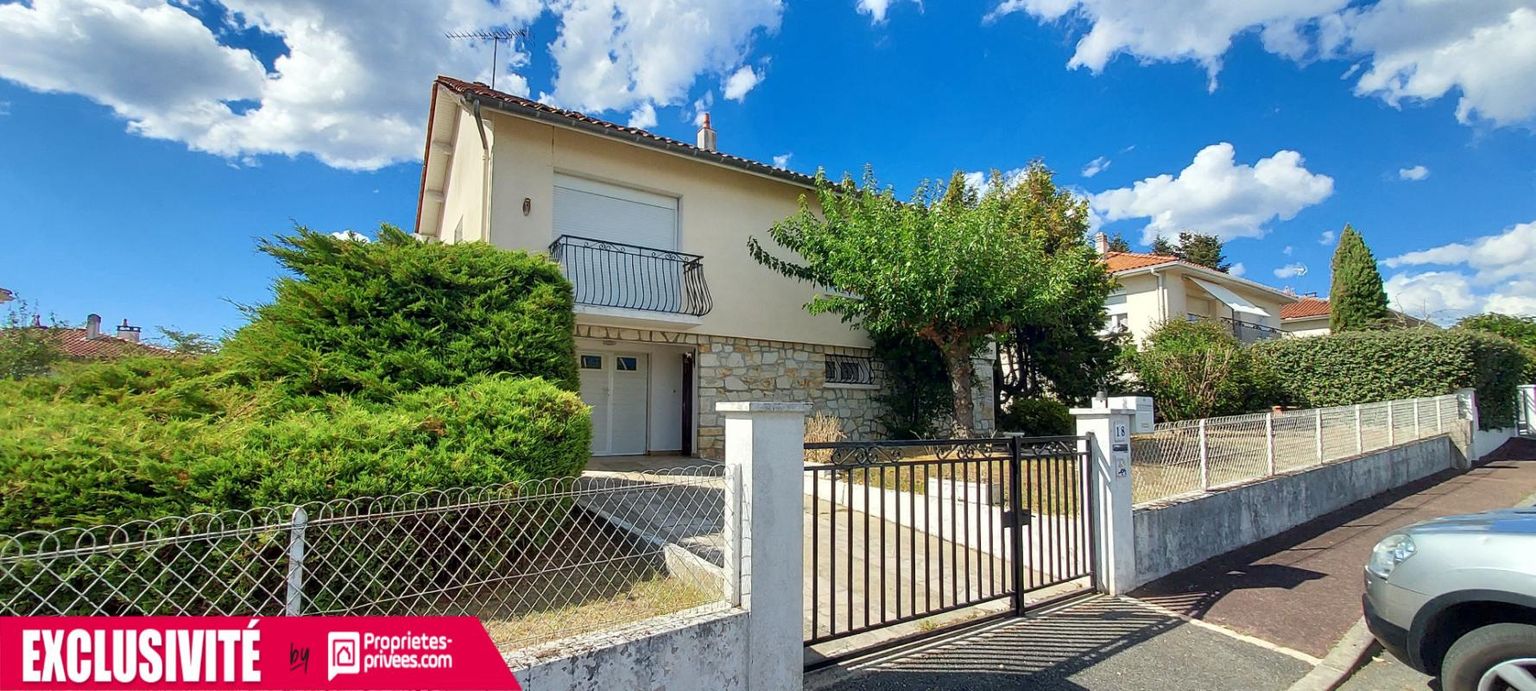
(673, 315)
(1305, 317)
(89, 343)
(1153, 289)
(1309, 316)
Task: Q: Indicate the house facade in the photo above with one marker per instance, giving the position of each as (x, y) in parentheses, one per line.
(1152, 289)
(672, 313)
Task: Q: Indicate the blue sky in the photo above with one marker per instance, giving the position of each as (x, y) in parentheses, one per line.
(141, 163)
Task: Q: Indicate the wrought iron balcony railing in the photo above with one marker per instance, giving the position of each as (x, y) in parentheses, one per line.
(613, 274)
(1246, 332)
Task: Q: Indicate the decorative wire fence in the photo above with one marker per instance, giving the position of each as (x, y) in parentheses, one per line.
(1198, 455)
(535, 562)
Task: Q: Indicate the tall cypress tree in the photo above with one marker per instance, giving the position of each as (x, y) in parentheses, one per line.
(1356, 299)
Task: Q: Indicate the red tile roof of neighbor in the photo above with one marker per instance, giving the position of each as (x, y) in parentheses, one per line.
(1305, 308)
(536, 110)
(1125, 261)
(74, 343)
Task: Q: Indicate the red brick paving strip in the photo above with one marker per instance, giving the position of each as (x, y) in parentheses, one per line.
(1301, 589)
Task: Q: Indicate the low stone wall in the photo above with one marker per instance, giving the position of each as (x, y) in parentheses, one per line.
(1180, 534)
(703, 649)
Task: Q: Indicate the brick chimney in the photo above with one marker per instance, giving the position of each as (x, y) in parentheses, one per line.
(707, 135)
(128, 333)
(1101, 243)
(93, 326)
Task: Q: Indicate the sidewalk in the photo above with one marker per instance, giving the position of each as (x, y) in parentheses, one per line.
(1301, 589)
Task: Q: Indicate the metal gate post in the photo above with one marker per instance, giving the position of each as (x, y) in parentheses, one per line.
(1016, 536)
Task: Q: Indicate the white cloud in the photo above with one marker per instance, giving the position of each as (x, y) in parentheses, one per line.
(1441, 296)
(981, 181)
(1489, 273)
(701, 107)
(781, 160)
(5, 108)
(1288, 250)
(1216, 195)
(1493, 257)
(1414, 174)
(740, 82)
(1327, 237)
(1293, 270)
(1237, 269)
(351, 235)
(643, 117)
(876, 9)
(1483, 53)
(352, 79)
(616, 54)
(1096, 166)
(1197, 30)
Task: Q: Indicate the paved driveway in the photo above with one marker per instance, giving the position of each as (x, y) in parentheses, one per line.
(1103, 643)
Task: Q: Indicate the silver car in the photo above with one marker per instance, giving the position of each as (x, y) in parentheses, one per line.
(1456, 597)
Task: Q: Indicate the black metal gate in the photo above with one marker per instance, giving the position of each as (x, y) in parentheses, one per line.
(902, 531)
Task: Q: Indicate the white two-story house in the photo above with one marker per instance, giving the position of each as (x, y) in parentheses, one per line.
(673, 315)
(1153, 289)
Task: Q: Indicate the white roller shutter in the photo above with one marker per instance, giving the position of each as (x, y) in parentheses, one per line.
(591, 209)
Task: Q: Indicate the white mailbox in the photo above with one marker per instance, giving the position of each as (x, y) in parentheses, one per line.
(1143, 423)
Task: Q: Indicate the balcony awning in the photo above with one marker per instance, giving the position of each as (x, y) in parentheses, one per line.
(1231, 299)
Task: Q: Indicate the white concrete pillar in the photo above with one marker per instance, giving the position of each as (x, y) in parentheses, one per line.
(1109, 445)
(765, 451)
(1467, 401)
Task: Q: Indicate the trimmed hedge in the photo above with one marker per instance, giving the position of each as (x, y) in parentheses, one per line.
(377, 319)
(73, 463)
(1370, 366)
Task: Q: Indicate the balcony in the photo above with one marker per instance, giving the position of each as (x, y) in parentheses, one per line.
(612, 278)
(1246, 332)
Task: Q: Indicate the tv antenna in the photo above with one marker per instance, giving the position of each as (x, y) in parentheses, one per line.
(495, 36)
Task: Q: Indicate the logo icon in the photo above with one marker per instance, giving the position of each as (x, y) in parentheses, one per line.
(343, 653)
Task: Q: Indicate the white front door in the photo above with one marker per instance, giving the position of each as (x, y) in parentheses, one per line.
(615, 385)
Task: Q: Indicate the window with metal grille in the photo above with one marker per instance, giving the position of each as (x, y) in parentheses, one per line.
(848, 369)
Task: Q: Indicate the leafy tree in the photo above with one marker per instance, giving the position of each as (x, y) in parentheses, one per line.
(1199, 369)
(950, 266)
(1060, 354)
(1356, 299)
(1117, 243)
(1521, 330)
(25, 351)
(187, 342)
(916, 393)
(1195, 248)
(1205, 250)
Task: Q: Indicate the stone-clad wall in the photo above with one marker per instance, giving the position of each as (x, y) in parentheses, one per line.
(749, 369)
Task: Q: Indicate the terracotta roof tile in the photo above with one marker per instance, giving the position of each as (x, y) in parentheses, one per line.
(515, 103)
(1125, 261)
(74, 344)
(1305, 308)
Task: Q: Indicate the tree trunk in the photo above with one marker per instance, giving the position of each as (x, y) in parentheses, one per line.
(957, 361)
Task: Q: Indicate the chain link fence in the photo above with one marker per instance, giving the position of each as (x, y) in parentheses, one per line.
(1191, 456)
(535, 561)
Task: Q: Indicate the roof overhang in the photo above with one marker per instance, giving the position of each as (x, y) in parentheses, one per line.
(1211, 275)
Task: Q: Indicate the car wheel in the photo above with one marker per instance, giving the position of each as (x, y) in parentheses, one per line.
(1495, 657)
